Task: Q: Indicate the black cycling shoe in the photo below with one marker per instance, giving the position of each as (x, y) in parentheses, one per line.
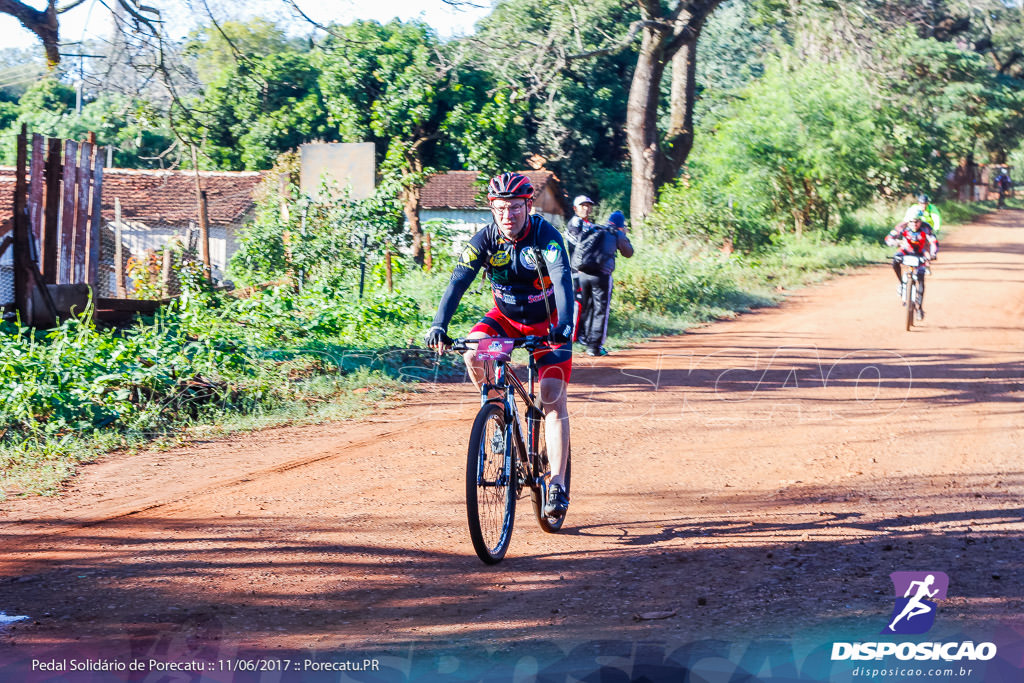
(558, 502)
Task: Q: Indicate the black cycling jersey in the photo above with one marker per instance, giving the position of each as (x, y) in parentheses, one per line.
(512, 269)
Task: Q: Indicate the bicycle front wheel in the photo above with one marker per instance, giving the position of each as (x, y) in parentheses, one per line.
(490, 484)
(911, 294)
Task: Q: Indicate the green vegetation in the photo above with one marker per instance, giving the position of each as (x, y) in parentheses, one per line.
(70, 393)
(810, 130)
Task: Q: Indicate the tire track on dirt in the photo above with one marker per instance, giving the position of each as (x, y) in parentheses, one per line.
(13, 542)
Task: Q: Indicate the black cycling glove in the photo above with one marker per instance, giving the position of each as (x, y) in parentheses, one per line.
(436, 336)
(561, 334)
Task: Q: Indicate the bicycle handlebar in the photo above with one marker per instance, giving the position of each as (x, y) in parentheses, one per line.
(530, 342)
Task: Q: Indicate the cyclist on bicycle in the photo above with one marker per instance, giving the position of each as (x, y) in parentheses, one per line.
(928, 211)
(914, 237)
(525, 258)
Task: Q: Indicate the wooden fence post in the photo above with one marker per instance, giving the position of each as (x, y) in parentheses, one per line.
(82, 213)
(165, 273)
(282, 193)
(67, 214)
(204, 219)
(51, 222)
(93, 225)
(387, 270)
(22, 281)
(122, 287)
(428, 260)
(204, 235)
(35, 190)
(27, 279)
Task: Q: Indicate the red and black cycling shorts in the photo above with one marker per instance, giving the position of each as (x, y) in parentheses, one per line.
(551, 362)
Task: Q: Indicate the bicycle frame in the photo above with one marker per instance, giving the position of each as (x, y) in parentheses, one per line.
(494, 474)
(509, 385)
(911, 276)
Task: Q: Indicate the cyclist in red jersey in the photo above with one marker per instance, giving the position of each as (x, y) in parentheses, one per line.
(526, 262)
(914, 237)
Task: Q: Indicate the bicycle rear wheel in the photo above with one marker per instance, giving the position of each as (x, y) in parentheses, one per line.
(539, 486)
(490, 485)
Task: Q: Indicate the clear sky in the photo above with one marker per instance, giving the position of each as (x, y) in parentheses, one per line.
(92, 19)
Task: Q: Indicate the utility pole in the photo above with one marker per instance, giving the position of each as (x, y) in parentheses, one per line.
(204, 220)
(81, 75)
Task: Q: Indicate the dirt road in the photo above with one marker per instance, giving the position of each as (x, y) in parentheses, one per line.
(757, 480)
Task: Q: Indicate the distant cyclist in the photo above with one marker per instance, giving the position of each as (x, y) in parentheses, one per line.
(929, 212)
(525, 259)
(914, 237)
(1003, 186)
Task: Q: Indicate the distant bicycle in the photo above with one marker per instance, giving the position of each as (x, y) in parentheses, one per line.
(503, 457)
(914, 268)
(917, 244)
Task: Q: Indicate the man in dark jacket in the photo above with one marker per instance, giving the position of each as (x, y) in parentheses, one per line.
(582, 207)
(596, 287)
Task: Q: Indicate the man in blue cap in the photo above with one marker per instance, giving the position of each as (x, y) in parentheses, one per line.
(595, 281)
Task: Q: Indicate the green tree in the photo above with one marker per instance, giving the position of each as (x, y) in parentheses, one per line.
(799, 149)
(397, 85)
(256, 109)
(219, 47)
(572, 106)
(965, 104)
(136, 130)
(668, 50)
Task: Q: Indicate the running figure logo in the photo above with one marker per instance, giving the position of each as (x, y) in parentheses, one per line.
(915, 610)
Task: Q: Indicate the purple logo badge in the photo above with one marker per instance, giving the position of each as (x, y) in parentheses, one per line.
(916, 593)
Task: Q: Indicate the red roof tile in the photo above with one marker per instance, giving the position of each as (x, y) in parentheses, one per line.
(163, 197)
(169, 197)
(458, 189)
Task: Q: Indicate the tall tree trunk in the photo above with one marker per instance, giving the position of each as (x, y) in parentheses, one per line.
(43, 23)
(411, 207)
(642, 125)
(679, 137)
(414, 178)
(668, 35)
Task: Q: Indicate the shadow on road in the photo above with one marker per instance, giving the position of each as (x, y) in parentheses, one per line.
(768, 567)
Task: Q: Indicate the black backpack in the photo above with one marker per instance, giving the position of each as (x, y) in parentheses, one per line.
(594, 251)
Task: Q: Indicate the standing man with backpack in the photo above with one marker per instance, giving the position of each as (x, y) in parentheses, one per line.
(582, 206)
(593, 260)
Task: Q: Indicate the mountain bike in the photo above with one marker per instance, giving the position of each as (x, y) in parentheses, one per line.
(503, 458)
(913, 298)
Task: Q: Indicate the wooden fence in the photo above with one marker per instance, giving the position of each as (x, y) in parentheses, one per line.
(55, 234)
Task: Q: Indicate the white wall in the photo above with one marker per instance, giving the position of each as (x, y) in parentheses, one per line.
(139, 238)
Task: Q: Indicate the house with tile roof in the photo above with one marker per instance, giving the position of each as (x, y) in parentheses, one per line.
(158, 206)
(460, 198)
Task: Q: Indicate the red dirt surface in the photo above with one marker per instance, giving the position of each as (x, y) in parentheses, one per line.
(755, 479)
